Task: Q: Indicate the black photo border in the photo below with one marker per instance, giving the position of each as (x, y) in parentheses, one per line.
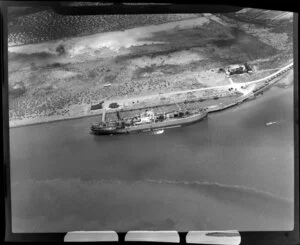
(276, 238)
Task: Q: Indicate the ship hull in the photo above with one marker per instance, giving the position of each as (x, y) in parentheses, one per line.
(171, 123)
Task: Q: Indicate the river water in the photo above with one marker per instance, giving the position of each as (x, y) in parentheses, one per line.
(230, 171)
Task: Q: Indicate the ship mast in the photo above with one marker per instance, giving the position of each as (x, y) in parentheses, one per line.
(118, 116)
(103, 115)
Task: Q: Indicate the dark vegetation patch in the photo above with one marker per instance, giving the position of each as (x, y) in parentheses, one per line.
(157, 73)
(97, 106)
(252, 46)
(197, 35)
(241, 48)
(114, 105)
(180, 37)
(241, 53)
(60, 49)
(177, 40)
(55, 65)
(173, 69)
(12, 56)
(149, 50)
(223, 42)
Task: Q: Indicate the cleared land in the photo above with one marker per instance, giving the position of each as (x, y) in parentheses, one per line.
(62, 79)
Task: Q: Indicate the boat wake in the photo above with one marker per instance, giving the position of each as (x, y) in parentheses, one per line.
(271, 123)
(274, 122)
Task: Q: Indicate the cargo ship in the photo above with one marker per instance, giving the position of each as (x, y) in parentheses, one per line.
(147, 121)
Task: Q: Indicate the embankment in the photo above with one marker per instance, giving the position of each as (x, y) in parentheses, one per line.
(262, 85)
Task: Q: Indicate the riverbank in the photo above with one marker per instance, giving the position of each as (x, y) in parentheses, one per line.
(254, 88)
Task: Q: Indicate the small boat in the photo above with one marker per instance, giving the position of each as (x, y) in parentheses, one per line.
(270, 123)
(160, 131)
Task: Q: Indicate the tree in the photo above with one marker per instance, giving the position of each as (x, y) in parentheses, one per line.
(60, 49)
(114, 105)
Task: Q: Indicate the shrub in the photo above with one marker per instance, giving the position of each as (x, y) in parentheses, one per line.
(114, 105)
(55, 65)
(60, 49)
(97, 106)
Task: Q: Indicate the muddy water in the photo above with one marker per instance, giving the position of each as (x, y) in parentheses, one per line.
(230, 171)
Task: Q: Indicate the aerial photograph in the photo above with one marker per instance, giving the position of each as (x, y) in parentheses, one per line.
(151, 121)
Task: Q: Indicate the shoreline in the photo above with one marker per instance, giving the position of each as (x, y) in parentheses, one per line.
(251, 95)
